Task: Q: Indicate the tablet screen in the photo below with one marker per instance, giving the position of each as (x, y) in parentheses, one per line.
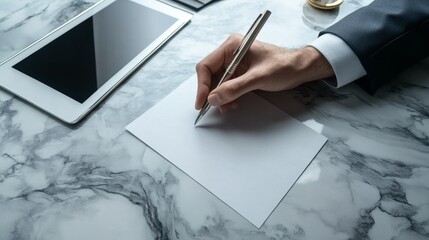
(81, 60)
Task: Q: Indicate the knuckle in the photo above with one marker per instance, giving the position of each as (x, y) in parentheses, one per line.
(234, 38)
(199, 66)
(233, 88)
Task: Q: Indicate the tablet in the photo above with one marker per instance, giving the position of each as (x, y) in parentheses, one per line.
(72, 69)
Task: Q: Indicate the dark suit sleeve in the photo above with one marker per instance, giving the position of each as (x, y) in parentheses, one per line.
(387, 36)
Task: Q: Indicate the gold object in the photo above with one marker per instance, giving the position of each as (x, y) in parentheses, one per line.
(325, 4)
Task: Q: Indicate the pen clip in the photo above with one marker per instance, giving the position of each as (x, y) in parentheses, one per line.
(247, 35)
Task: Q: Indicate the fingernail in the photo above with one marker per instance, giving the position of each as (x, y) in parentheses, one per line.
(214, 100)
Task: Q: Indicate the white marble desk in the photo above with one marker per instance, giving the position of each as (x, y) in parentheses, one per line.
(96, 181)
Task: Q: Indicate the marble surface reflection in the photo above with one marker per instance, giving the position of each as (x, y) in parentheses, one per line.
(96, 181)
(23, 22)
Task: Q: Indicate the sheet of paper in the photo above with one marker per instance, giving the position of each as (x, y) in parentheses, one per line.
(249, 158)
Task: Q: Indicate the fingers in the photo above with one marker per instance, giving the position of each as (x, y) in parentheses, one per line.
(230, 90)
(204, 75)
(210, 65)
(231, 105)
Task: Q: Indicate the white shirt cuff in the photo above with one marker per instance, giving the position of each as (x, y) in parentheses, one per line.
(343, 60)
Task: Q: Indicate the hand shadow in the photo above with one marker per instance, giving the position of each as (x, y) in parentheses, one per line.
(255, 116)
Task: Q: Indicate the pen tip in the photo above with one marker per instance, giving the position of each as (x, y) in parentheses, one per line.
(198, 119)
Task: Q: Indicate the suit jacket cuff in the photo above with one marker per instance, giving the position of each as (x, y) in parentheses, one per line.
(343, 60)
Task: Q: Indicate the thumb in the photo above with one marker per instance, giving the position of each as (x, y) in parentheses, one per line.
(231, 90)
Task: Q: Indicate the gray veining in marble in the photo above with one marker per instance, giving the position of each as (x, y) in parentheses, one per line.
(96, 181)
(23, 22)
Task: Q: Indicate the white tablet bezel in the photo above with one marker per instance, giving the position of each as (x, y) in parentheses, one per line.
(60, 105)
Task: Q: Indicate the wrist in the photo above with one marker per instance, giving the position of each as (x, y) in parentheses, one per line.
(311, 65)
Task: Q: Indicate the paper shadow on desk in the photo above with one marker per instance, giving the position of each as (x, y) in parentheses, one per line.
(249, 157)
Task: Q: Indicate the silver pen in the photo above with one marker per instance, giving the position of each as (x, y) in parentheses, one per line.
(238, 55)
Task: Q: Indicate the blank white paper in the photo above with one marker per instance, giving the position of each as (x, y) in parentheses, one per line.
(249, 158)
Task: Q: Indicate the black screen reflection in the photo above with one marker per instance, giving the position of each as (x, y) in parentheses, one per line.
(80, 61)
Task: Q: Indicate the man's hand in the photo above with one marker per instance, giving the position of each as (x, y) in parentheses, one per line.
(265, 67)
